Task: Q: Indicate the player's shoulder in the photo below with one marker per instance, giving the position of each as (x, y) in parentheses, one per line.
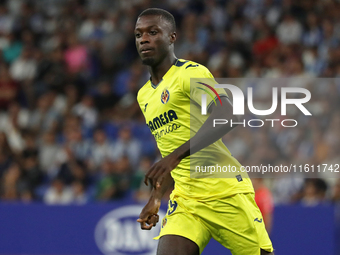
(188, 67)
(143, 91)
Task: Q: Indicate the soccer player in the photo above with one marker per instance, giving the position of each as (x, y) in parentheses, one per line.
(199, 208)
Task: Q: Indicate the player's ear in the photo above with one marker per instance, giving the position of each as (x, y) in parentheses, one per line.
(173, 37)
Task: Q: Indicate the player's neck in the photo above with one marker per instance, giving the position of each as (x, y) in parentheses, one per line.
(158, 71)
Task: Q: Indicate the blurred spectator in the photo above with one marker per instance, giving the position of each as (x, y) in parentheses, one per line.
(9, 88)
(336, 192)
(100, 149)
(79, 193)
(121, 173)
(6, 21)
(30, 143)
(76, 55)
(114, 180)
(85, 109)
(92, 27)
(321, 148)
(5, 160)
(4, 145)
(289, 30)
(141, 191)
(48, 149)
(105, 98)
(265, 43)
(44, 117)
(329, 41)
(75, 147)
(24, 67)
(10, 183)
(313, 35)
(72, 171)
(287, 190)
(122, 79)
(190, 44)
(13, 49)
(11, 124)
(58, 101)
(27, 196)
(71, 94)
(314, 192)
(264, 201)
(31, 173)
(313, 64)
(126, 145)
(58, 193)
(106, 186)
(15, 117)
(51, 70)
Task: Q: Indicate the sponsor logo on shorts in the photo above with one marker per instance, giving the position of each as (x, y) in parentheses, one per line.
(257, 219)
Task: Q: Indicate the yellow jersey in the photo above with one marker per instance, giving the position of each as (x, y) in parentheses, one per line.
(172, 110)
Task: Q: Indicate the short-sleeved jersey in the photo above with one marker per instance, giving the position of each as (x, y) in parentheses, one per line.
(172, 110)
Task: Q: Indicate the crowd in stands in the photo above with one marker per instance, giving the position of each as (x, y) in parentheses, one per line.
(71, 130)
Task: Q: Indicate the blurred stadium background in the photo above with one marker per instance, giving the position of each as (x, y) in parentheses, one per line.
(72, 133)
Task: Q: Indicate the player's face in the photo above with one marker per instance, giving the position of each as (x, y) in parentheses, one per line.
(153, 39)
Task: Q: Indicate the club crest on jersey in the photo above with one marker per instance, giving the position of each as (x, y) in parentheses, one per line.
(165, 96)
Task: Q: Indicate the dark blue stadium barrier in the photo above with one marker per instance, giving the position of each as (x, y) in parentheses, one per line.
(111, 228)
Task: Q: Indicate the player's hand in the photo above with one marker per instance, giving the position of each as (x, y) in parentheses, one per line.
(148, 218)
(159, 170)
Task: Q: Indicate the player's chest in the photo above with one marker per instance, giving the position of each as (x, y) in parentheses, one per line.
(164, 100)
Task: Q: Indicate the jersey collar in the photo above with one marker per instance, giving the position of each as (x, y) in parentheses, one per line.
(177, 63)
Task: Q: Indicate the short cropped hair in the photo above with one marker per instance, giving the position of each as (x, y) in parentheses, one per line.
(163, 13)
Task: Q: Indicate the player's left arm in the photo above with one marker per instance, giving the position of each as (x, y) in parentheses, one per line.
(205, 136)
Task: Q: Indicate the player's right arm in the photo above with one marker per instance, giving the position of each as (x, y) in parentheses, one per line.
(148, 218)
